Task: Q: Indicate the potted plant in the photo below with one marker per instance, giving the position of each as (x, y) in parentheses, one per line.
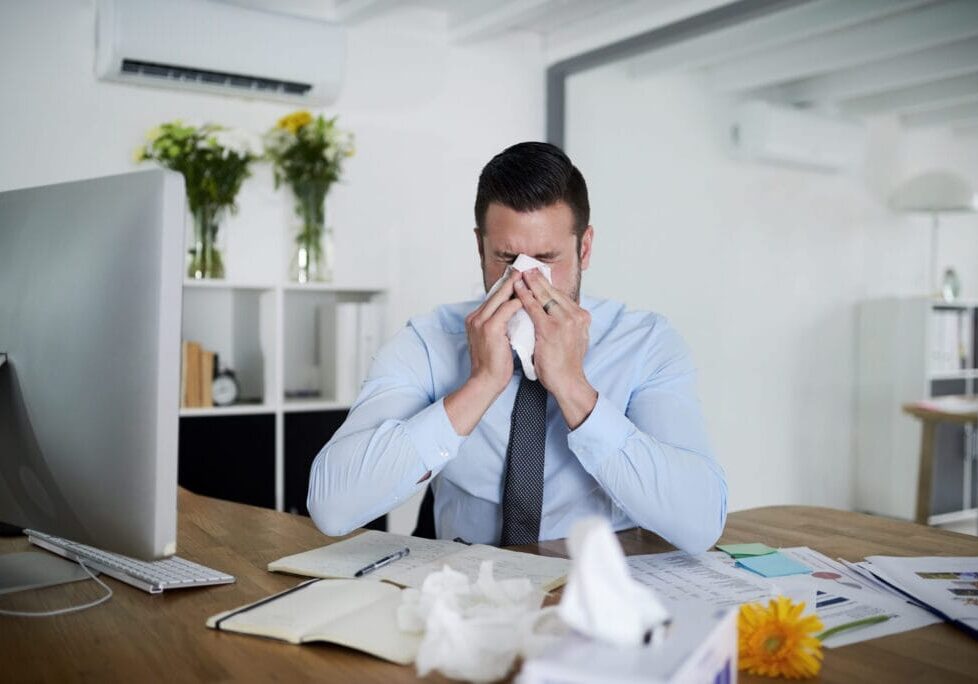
(214, 161)
(307, 154)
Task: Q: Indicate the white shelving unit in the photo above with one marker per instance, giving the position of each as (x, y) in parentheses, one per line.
(266, 333)
(902, 358)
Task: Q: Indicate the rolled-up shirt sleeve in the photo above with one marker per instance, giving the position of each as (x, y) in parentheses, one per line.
(653, 459)
(396, 433)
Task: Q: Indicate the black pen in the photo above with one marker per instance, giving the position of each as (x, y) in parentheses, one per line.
(386, 560)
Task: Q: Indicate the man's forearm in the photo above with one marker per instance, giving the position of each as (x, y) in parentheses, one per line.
(466, 405)
(678, 493)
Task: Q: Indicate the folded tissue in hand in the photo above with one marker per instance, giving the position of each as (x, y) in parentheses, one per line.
(520, 329)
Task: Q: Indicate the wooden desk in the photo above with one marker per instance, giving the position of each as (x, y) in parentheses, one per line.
(139, 637)
(930, 416)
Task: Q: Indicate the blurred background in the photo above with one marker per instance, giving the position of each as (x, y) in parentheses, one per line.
(792, 183)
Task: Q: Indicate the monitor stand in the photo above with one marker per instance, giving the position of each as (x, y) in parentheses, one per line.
(33, 570)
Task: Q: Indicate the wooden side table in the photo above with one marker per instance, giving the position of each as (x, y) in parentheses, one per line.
(958, 410)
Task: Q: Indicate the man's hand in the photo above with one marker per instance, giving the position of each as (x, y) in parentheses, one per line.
(560, 345)
(491, 357)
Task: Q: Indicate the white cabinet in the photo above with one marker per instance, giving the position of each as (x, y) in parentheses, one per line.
(911, 349)
(275, 339)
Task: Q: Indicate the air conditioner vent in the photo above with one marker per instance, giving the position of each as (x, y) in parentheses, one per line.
(179, 73)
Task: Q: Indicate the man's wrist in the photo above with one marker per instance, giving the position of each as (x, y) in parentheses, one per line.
(483, 386)
(576, 401)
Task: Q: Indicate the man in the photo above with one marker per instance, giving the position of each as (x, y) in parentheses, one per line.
(613, 427)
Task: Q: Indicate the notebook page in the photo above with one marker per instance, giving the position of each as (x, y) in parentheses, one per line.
(361, 615)
(294, 614)
(344, 558)
(544, 572)
(373, 629)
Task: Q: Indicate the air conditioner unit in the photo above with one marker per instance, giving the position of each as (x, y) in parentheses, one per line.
(221, 48)
(766, 132)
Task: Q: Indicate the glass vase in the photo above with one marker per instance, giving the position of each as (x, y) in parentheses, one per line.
(313, 259)
(205, 255)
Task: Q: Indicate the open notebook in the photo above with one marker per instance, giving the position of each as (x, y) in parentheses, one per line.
(360, 615)
(343, 559)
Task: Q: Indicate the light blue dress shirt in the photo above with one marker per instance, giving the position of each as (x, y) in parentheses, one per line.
(641, 458)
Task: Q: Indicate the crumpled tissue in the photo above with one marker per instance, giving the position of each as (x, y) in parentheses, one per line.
(520, 330)
(471, 631)
(601, 600)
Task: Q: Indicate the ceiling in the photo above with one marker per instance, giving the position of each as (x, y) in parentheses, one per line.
(915, 59)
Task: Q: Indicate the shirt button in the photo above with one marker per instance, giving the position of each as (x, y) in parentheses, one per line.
(443, 453)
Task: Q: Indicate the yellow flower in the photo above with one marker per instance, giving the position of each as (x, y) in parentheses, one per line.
(776, 641)
(153, 133)
(139, 154)
(294, 121)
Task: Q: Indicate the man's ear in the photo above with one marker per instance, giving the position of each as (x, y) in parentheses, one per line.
(586, 240)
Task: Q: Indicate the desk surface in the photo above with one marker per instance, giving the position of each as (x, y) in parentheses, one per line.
(139, 636)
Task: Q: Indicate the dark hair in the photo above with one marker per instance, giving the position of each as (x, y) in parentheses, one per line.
(530, 176)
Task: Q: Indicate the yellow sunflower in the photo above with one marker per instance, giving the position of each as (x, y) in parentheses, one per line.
(776, 641)
(294, 121)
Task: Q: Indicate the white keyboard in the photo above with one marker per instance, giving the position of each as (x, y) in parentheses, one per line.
(151, 576)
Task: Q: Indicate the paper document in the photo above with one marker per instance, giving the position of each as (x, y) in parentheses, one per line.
(845, 611)
(344, 558)
(840, 596)
(947, 584)
(678, 576)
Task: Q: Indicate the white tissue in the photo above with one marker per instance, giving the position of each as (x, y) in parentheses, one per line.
(522, 335)
(471, 631)
(601, 600)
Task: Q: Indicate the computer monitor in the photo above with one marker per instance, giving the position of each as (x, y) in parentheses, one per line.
(90, 308)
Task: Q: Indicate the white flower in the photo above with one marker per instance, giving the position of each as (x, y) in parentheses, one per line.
(238, 141)
(279, 139)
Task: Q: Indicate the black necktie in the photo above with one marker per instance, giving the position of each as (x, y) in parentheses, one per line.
(523, 488)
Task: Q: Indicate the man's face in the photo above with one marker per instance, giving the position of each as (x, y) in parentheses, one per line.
(546, 234)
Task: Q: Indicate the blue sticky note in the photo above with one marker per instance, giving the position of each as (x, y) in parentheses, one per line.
(773, 565)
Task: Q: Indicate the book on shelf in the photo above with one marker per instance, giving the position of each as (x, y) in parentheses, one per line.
(196, 375)
(206, 378)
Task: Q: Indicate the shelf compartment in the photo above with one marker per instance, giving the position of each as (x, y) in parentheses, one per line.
(331, 336)
(238, 324)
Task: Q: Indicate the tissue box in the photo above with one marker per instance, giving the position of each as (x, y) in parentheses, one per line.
(700, 646)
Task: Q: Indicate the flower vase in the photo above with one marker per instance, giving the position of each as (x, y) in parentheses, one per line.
(205, 256)
(313, 260)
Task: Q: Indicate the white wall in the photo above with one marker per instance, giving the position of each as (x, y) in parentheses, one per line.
(759, 266)
(427, 116)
